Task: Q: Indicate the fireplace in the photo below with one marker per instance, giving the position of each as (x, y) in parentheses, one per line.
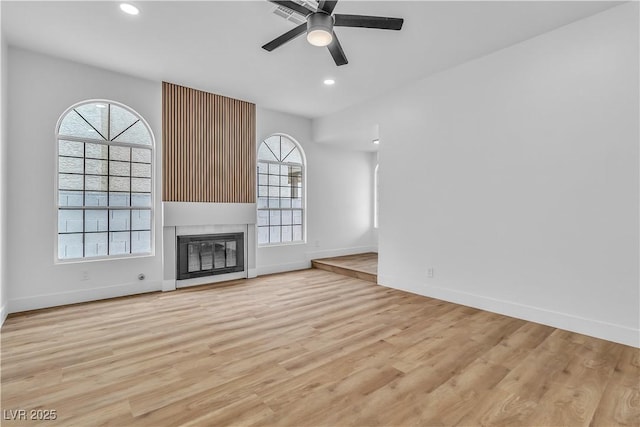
(209, 254)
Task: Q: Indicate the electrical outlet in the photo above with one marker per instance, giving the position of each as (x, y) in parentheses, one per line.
(430, 273)
(85, 275)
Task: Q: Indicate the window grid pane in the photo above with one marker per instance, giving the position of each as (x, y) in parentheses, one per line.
(280, 186)
(94, 175)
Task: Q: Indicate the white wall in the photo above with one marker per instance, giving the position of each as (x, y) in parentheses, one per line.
(41, 88)
(3, 176)
(516, 178)
(339, 198)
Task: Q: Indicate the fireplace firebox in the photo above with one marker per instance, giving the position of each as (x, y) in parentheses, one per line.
(210, 254)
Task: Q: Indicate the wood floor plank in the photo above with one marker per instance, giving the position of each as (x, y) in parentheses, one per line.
(279, 395)
(308, 348)
(577, 390)
(620, 403)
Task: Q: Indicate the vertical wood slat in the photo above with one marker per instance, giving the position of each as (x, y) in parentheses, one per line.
(208, 147)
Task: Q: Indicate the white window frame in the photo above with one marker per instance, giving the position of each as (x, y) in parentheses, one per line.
(152, 208)
(376, 197)
(303, 190)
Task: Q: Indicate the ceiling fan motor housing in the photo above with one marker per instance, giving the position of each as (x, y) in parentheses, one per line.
(319, 28)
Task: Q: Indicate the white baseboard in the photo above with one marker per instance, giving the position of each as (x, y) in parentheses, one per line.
(72, 297)
(252, 272)
(595, 328)
(168, 285)
(339, 252)
(3, 314)
(281, 268)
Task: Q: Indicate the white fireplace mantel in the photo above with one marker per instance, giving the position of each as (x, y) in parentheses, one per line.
(188, 213)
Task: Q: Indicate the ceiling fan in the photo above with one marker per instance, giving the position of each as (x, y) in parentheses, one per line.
(320, 23)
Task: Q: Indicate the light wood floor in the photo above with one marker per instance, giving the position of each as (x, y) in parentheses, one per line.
(362, 266)
(309, 348)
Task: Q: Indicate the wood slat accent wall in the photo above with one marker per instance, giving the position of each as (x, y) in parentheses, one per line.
(208, 147)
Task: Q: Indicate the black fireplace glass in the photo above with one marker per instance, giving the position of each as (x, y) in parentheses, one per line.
(209, 254)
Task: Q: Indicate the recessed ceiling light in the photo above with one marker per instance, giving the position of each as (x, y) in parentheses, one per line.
(129, 9)
(376, 141)
(329, 82)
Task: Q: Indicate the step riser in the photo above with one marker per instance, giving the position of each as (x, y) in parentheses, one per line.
(345, 271)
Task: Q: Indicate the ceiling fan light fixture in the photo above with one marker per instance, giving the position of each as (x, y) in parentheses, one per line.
(320, 29)
(319, 38)
(320, 22)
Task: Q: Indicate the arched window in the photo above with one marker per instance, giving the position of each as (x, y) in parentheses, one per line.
(104, 181)
(280, 191)
(376, 197)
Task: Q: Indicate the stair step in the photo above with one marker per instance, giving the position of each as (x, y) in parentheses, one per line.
(360, 266)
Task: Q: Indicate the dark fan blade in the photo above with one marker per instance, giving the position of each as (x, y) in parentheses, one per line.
(293, 6)
(368, 22)
(286, 37)
(327, 6)
(336, 51)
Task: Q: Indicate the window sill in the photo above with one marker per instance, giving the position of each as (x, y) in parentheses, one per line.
(278, 245)
(103, 258)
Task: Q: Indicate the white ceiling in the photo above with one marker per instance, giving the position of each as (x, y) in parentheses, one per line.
(216, 45)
